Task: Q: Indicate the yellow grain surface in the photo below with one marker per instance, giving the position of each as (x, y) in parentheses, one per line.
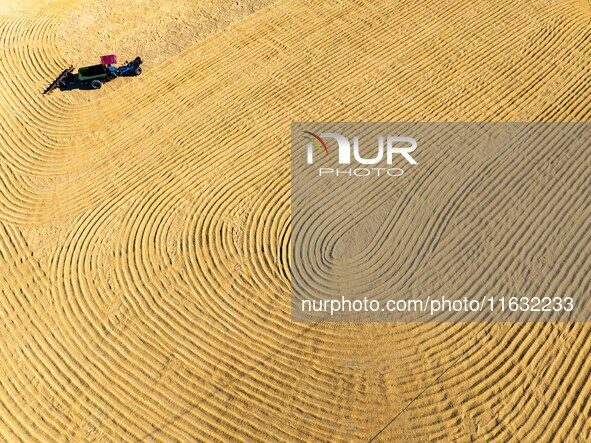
(144, 227)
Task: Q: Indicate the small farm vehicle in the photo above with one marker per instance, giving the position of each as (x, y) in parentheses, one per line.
(95, 75)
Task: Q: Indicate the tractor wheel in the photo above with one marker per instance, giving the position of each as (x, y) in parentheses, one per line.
(137, 71)
(96, 84)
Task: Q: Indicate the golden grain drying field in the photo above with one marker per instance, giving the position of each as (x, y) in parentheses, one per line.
(144, 227)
